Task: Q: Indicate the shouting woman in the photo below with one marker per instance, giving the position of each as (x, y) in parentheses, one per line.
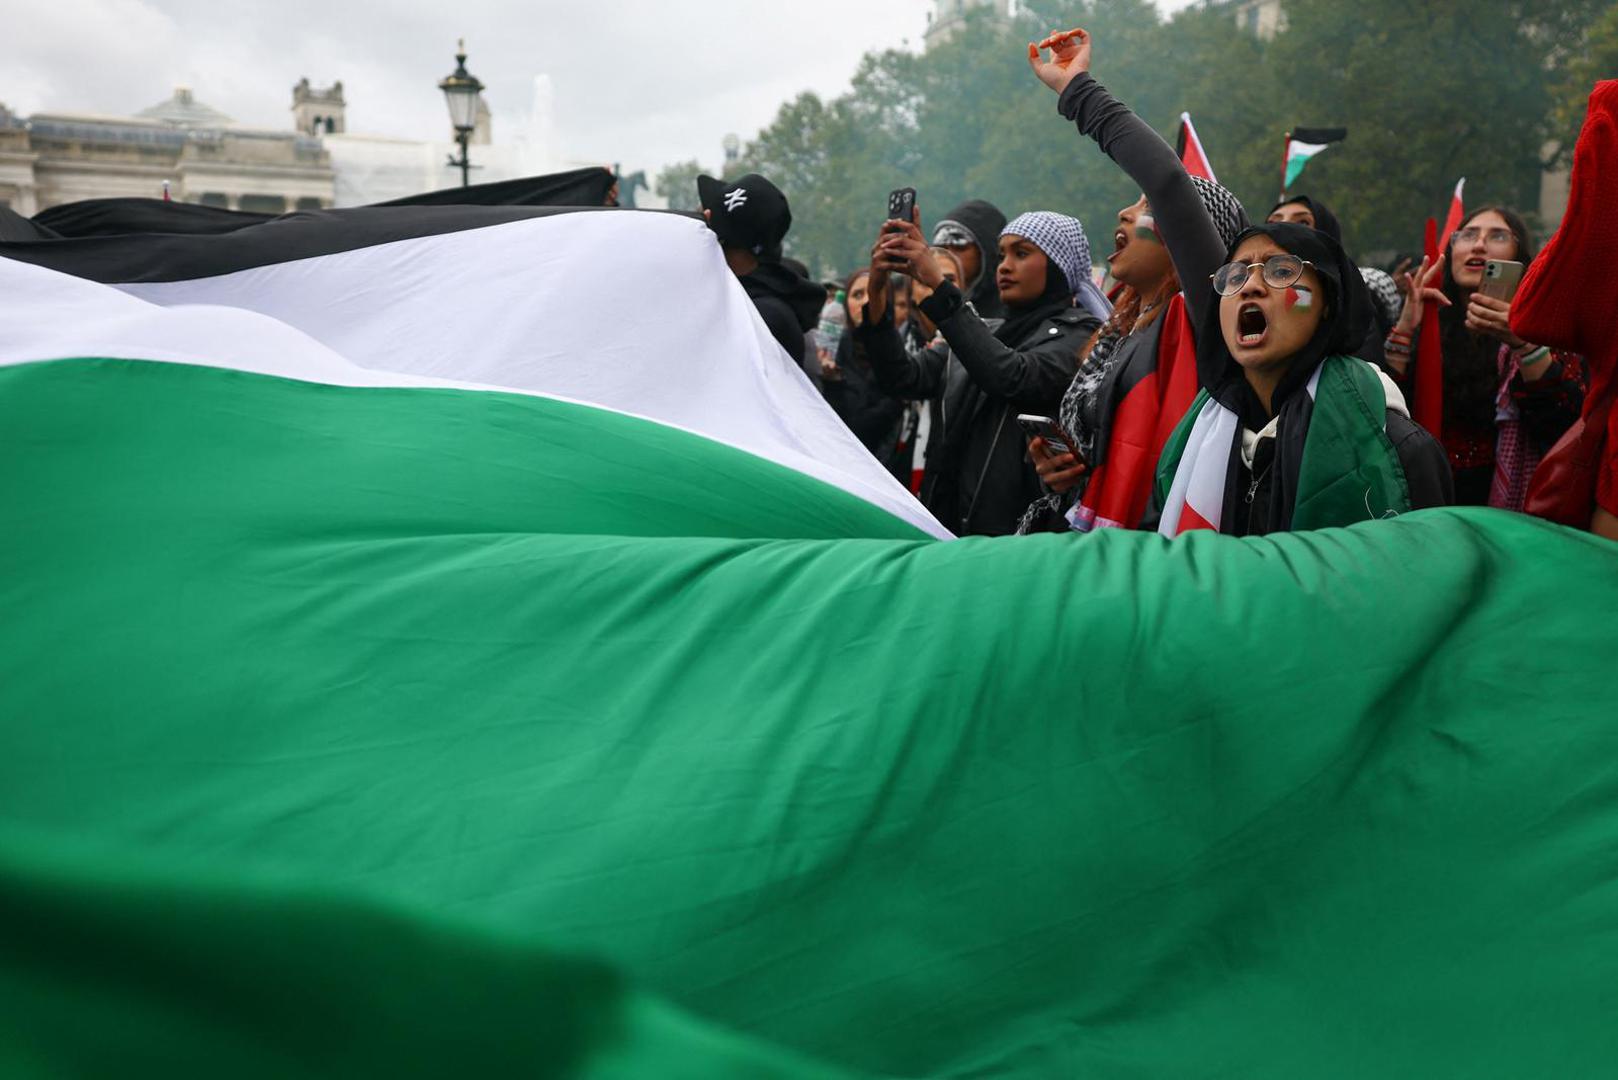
(1291, 431)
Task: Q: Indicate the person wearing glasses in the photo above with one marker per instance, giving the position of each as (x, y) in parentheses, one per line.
(1291, 431)
(1137, 373)
(1506, 400)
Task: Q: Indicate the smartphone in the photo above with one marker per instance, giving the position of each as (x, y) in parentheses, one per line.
(1050, 431)
(901, 203)
(1500, 278)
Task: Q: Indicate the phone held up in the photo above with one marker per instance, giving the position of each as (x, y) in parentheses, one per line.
(1501, 278)
(901, 203)
(1049, 430)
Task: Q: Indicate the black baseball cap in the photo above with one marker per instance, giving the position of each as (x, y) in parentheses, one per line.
(748, 212)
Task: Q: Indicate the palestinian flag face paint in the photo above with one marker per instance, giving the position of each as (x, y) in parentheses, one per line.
(1146, 229)
(1300, 298)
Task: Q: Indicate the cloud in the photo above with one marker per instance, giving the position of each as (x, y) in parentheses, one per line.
(641, 82)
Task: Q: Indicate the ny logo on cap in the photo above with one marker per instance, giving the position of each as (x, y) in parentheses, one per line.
(736, 198)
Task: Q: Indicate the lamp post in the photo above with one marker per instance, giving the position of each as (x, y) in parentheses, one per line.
(461, 89)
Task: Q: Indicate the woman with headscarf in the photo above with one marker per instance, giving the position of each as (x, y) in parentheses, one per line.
(1303, 210)
(983, 374)
(1506, 400)
(1137, 374)
(1291, 431)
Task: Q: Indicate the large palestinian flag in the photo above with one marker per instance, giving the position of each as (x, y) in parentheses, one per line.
(456, 641)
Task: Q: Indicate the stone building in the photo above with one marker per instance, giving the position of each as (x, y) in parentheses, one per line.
(318, 112)
(948, 17)
(1261, 18)
(60, 157)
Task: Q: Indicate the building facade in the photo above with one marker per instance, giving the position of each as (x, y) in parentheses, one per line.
(61, 157)
(51, 158)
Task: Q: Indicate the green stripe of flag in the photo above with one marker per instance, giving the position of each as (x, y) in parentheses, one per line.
(1323, 804)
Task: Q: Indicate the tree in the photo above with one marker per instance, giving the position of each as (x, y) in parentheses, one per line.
(1429, 90)
(677, 184)
(1588, 58)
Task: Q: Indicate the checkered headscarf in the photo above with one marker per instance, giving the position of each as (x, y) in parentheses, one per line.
(1384, 292)
(1062, 240)
(1225, 209)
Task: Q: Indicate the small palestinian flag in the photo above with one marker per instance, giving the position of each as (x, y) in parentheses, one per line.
(1302, 145)
(1192, 155)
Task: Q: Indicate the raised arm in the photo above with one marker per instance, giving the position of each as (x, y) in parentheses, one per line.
(1187, 228)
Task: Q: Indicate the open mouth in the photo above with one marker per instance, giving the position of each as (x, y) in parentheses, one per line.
(1474, 264)
(1120, 240)
(1251, 325)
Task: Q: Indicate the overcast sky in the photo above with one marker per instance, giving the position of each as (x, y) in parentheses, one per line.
(641, 82)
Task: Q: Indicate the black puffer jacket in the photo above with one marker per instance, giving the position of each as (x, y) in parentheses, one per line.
(789, 305)
(978, 479)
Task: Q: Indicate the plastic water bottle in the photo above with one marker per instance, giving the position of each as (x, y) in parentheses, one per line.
(832, 322)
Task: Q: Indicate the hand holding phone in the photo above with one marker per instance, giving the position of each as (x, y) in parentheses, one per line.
(900, 247)
(1501, 278)
(1043, 427)
(1054, 453)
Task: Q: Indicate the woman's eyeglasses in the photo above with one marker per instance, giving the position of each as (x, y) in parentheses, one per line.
(1279, 272)
(1493, 238)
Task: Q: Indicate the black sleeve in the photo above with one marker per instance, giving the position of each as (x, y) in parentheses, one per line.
(1425, 464)
(869, 413)
(914, 378)
(1187, 229)
(783, 326)
(1031, 377)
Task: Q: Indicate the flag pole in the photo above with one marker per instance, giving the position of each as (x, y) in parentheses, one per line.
(1286, 146)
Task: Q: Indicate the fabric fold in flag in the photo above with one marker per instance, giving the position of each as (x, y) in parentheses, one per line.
(535, 301)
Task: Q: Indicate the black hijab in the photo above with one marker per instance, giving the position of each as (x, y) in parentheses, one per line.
(1344, 323)
(1024, 319)
(1345, 320)
(1325, 220)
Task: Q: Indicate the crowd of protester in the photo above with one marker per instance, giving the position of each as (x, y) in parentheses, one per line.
(1240, 376)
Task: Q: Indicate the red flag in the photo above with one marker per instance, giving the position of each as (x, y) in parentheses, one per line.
(1192, 156)
(1429, 408)
(1456, 213)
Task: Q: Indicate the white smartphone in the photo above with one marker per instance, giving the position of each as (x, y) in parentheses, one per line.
(1501, 278)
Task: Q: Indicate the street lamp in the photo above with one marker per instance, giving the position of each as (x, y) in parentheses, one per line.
(733, 149)
(461, 89)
